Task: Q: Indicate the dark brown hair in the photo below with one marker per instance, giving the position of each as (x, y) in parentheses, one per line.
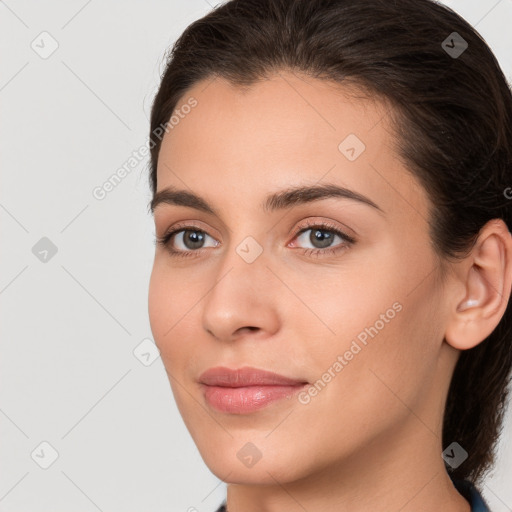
(453, 119)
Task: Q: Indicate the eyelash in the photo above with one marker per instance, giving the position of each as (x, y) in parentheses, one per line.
(322, 226)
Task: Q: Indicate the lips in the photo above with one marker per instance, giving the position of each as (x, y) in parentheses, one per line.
(243, 377)
(246, 390)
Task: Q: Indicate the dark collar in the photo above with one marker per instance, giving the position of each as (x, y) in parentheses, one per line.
(472, 494)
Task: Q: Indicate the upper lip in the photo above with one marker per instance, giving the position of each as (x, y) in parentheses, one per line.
(242, 377)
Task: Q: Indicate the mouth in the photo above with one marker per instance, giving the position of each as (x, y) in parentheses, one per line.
(246, 390)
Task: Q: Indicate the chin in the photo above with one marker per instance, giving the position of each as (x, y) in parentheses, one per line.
(260, 474)
(241, 462)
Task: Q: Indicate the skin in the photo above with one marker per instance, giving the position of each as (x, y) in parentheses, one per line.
(371, 438)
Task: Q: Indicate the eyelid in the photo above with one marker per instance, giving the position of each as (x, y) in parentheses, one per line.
(193, 224)
(327, 225)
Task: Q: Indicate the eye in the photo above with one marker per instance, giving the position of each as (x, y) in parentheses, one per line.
(185, 241)
(322, 237)
(189, 240)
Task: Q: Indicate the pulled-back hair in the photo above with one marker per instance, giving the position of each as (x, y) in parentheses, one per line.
(452, 117)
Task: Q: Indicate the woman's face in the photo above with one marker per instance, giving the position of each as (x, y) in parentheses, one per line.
(353, 309)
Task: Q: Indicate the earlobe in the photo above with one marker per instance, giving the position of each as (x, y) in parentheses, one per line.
(487, 285)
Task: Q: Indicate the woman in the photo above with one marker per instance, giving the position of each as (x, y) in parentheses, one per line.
(330, 290)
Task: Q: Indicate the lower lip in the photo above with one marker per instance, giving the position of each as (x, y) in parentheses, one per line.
(244, 400)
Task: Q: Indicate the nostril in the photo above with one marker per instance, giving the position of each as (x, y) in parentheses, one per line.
(250, 328)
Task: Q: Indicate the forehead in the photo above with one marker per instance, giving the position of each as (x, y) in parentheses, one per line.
(285, 130)
(275, 112)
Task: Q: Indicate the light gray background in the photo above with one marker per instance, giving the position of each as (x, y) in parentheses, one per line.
(69, 325)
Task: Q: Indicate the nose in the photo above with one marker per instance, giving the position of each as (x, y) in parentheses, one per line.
(242, 300)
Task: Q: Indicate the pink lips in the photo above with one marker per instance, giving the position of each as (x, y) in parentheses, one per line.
(245, 390)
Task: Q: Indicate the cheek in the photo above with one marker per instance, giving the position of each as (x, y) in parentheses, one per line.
(369, 375)
(159, 304)
(167, 309)
(376, 325)
(174, 301)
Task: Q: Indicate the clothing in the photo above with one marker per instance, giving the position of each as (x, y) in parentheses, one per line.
(465, 487)
(471, 493)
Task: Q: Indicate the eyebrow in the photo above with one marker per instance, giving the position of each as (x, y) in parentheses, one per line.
(276, 201)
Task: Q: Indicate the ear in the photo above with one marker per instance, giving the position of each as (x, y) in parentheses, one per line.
(485, 279)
